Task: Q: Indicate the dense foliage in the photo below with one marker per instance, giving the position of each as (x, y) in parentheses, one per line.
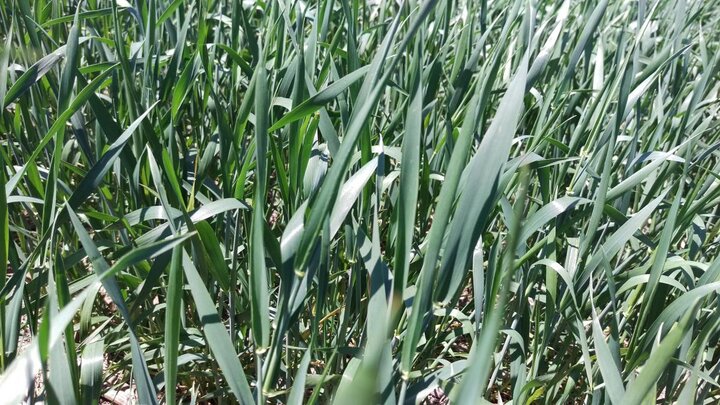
(360, 201)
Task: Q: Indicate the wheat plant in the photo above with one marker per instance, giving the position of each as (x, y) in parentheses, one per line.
(359, 202)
